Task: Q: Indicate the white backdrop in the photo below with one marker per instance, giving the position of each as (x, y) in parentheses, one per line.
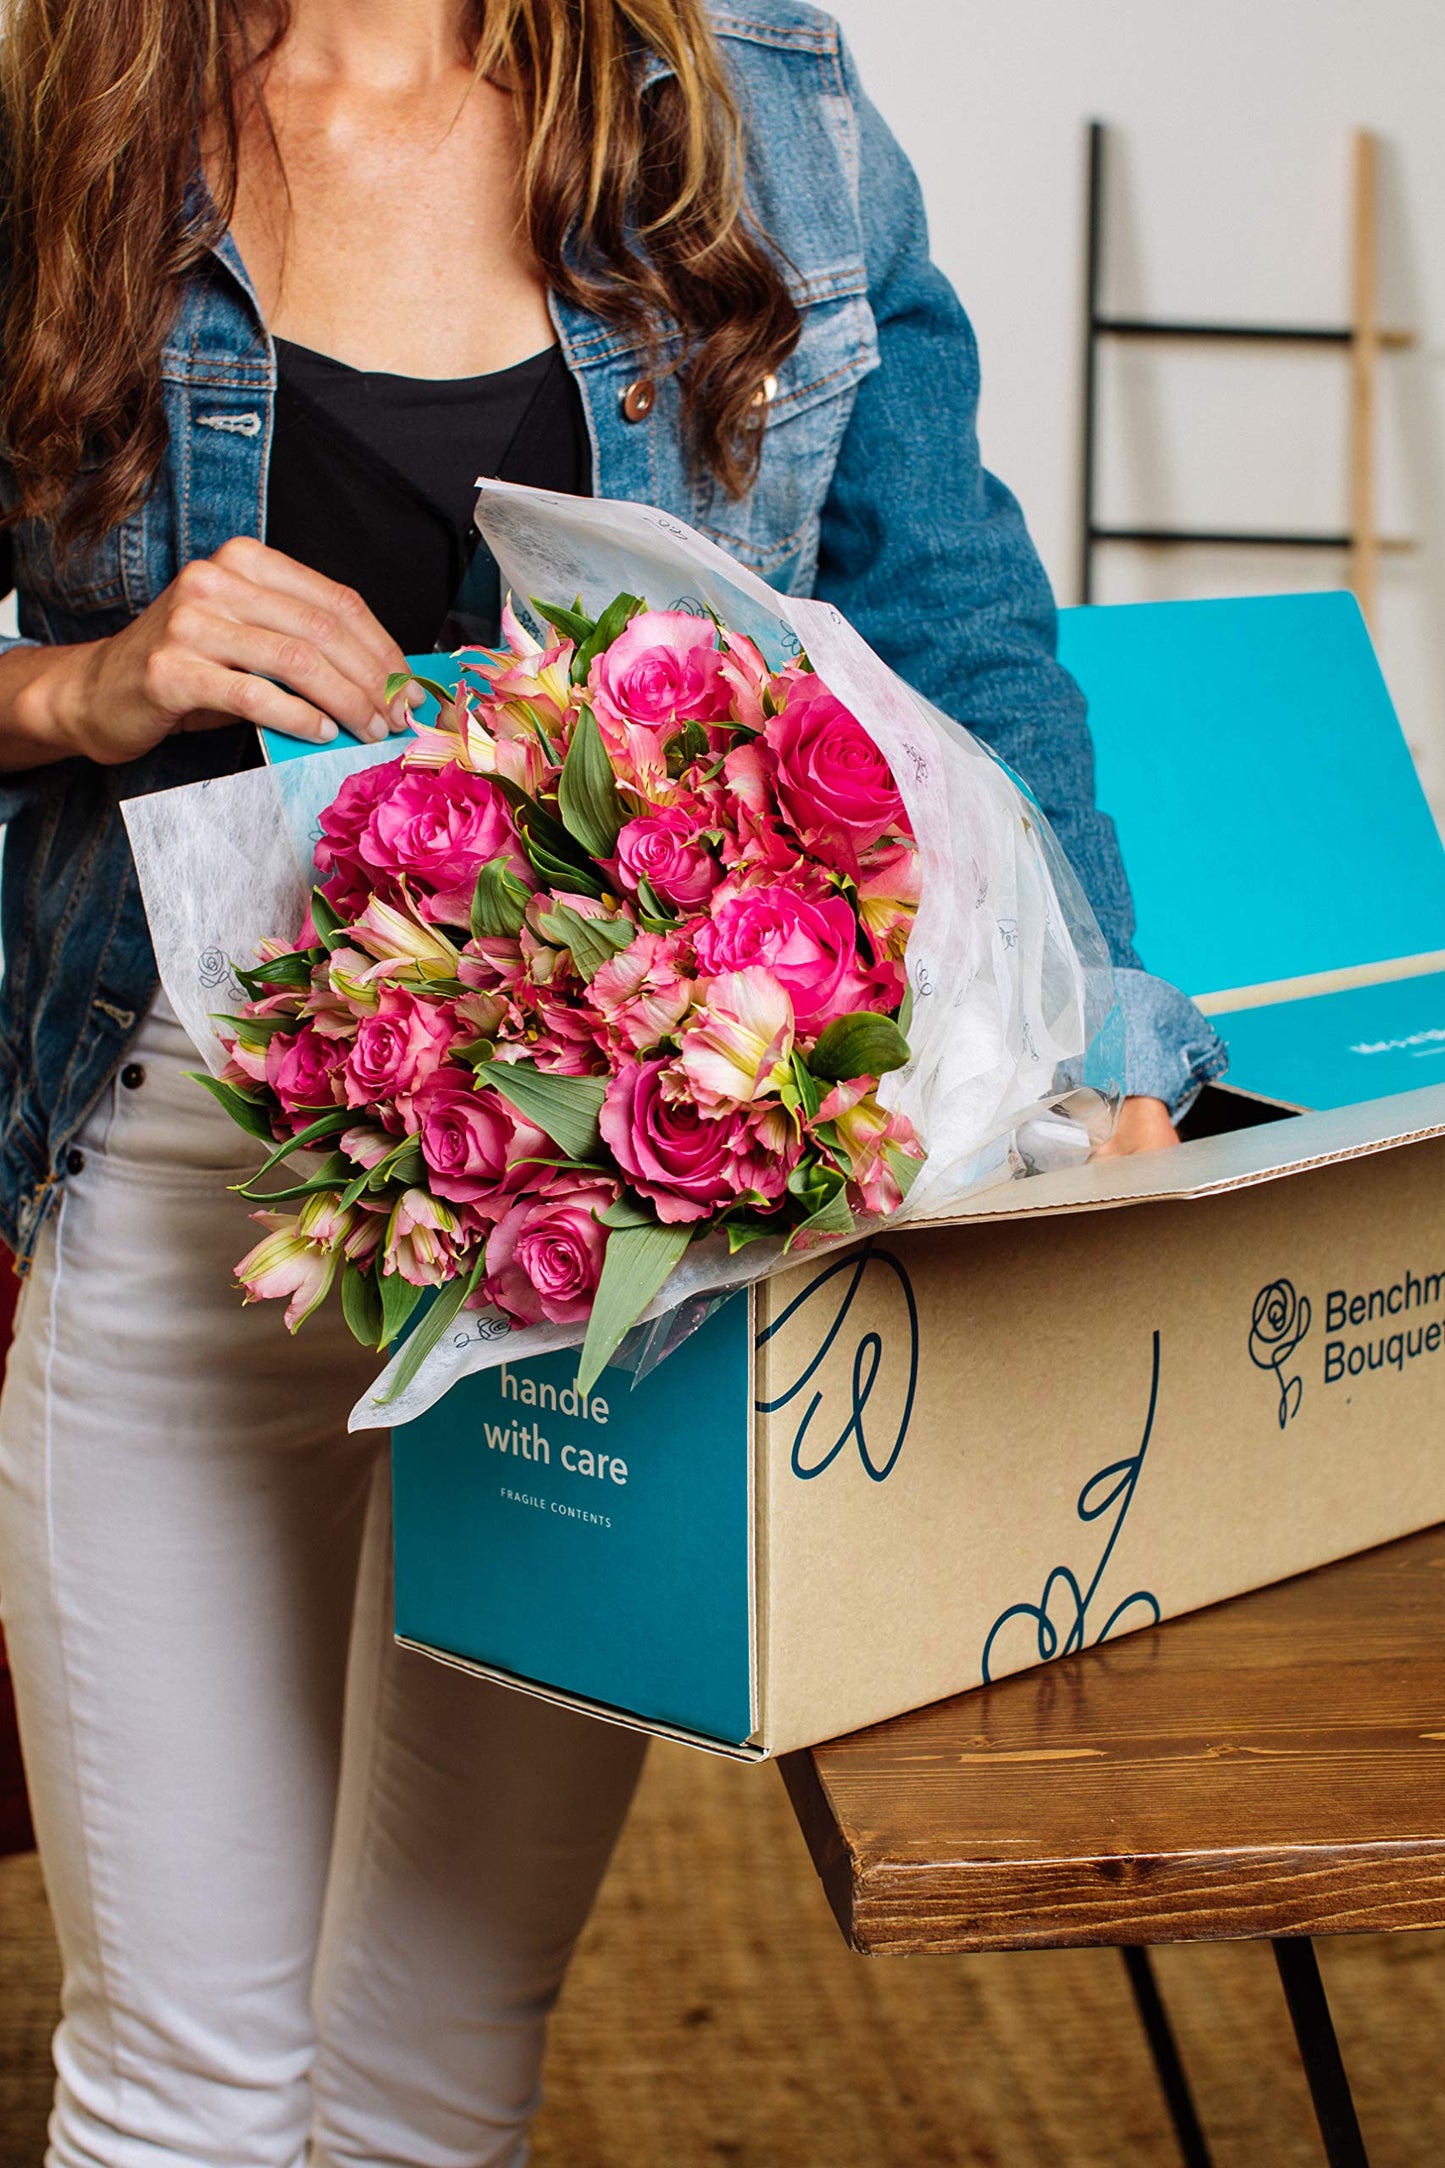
(1231, 163)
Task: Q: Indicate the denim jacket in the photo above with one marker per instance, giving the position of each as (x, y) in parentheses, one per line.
(871, 494)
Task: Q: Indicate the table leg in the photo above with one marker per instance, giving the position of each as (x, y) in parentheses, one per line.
(1193, 2150)
(1309, 2011)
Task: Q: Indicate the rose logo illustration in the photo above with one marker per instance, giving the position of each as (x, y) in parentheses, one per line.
(1280, 1322)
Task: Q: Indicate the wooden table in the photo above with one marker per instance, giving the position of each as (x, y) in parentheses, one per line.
(1272, 1768)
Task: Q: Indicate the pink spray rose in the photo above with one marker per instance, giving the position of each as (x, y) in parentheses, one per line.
(833, 782)
(665, 669)
(397, 1049)
(668, 852)
(811, 949)
(348, 879)
(437, 830)
(300, 1069)
(544, 1258)
(684, 1160)
(472, 1142)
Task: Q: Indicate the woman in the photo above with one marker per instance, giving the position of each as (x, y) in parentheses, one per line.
(279, 283)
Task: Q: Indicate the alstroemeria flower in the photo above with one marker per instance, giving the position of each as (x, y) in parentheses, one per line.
(868, 1134)
(285, 1265)
(402, 944)
(736, 1047)
(418, 1239)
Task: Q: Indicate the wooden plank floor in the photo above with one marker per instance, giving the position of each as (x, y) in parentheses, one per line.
(715, 2017)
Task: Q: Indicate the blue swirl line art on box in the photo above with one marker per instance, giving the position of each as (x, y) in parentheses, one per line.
(1110, 1487)
(868, 1358)
(1279, 1323)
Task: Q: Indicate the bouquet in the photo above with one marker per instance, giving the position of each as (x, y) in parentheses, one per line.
(608, 962)
(683, 938)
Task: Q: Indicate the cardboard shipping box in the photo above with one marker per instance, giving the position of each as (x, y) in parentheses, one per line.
(1091, 1401)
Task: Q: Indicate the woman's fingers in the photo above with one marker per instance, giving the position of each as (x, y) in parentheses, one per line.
(262, 566)
(202, 694)
(295, 663)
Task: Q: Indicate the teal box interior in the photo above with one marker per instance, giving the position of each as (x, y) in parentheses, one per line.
(1275, 829)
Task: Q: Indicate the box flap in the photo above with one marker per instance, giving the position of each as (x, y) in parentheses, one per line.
(1271, 818)
(1211, 1165)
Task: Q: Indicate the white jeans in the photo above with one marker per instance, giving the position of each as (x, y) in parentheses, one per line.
(311, 1891)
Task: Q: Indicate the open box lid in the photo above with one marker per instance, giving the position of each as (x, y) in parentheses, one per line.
(1286, 867)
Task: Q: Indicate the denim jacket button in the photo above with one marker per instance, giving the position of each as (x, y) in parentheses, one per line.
(639, 399)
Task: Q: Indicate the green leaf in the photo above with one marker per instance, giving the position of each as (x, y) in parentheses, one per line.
(251, 1115)
(283, 974)
(331, 1176)
(587, 794)
(638, 1263)
(740, 1232)
(403, 1164)
(361, 1305)
(398, 1299)
(613, 622)
(572, 624)
(628, 1211)
(810, 1097)
(902, 1165)
(861, 1045)
(259, 1031)
(499, 904)
(565, 1108)
(655, 914)
(432, 1327)
(592, 941)
(905, 1011)
(690, 744)
(331, 929)
(832, 1218)
(555, 856)
(400, 679)
(475, 1051)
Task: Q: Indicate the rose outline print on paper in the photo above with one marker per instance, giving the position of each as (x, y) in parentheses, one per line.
(1280, 1321)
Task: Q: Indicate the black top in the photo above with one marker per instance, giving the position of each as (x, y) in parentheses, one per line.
(372, 481)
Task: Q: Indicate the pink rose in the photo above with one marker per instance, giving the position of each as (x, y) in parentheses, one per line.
(668, 852)
(544, 1258)
(664, 669)
(810, 948)
(831, 779)
(472, 1142)
(301, 1068)
(684, 1160)
(347, 879)
(437, 829)
(397, 1049)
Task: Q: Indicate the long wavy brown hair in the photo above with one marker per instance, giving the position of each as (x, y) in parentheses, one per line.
(633, 200)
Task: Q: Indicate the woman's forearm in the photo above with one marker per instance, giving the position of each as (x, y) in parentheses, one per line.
(40, 704)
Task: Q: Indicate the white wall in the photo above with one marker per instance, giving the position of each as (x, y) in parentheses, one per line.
(1231, 164)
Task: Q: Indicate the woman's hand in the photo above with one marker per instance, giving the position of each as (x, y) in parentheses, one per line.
(208, 652)
(1143, 1126)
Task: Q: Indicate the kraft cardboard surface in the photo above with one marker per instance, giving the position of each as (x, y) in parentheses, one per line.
(1023, 1441)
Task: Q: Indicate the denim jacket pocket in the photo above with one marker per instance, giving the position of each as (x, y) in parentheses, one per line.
(777, 522)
